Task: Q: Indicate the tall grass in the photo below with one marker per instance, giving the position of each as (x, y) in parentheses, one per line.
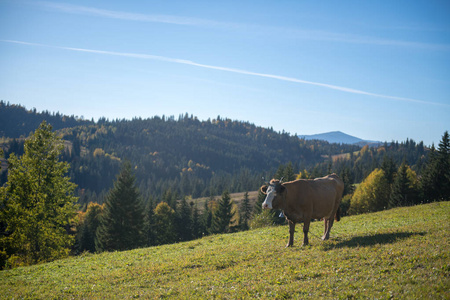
(399, 253)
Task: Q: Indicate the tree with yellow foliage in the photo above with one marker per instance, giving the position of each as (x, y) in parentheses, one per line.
(371, 195)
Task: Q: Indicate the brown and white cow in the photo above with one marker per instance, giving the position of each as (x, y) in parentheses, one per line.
(305, 199)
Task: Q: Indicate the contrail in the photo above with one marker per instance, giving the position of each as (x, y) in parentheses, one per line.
(189, 21)
(139, 17)
(226, 69)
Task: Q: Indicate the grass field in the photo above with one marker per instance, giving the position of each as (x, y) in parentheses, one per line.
(400, 253)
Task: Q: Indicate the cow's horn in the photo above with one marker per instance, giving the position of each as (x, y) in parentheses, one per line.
(281, 180)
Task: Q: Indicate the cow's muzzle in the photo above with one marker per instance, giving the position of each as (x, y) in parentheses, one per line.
(265, 206)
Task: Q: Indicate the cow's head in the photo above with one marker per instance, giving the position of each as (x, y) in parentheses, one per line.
(273, 194)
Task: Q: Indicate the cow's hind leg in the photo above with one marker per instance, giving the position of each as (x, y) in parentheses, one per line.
(305, 231)
(328, 225)
(291, 234)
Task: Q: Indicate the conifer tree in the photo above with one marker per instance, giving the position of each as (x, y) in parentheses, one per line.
(280, 172)
(150, 235)
(245, 212)
(288, 173)
(347, 178)
(197, 224)
(122, 222)
(436, 177)
(402, 192)
(37, 202)
(184, 221)
(208, 215)
(165, 229)
(86, 230)
(223, 215)
(389, 168)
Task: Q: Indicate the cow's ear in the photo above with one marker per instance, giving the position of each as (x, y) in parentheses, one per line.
(264, 189)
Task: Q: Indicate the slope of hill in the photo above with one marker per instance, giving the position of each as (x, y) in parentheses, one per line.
(399, 253)
(339, 138)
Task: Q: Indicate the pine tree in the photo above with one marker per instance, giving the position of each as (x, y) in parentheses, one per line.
(245, 212)
(347, 178)
(436, 177)
(150, 236)
(223, 215)
(197, 224)
(208, 214)
(402, 192)
(430, 178)
(280, 172)
(122, 222)
(165, 229)
(184, 221)
(288, 173)
(390, 168)
(37, 202)
(86, 230)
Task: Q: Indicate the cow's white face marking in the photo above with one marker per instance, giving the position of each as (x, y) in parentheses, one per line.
(267, 204)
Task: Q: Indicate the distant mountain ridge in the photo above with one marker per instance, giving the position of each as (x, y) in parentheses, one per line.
(339, 137)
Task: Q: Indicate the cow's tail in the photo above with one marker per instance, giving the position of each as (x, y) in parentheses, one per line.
(337, 217)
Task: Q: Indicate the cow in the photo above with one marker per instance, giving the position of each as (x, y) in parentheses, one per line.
(305, 199)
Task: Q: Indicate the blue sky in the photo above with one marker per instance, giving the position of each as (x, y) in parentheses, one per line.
(377, 70)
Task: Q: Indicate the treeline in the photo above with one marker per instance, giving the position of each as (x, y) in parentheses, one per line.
(183, 156)
(392, 184)
(16, 121)
(186, 157)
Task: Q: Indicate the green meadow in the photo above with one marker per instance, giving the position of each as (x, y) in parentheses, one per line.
(400, 253)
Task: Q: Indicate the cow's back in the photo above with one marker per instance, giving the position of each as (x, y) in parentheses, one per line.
(318, 197)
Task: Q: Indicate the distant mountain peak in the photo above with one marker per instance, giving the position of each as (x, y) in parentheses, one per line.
(338, 137)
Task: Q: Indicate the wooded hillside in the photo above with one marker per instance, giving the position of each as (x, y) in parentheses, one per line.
(173, 158)
(183, 156)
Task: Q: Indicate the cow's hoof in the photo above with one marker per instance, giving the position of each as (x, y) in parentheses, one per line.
(289, 245)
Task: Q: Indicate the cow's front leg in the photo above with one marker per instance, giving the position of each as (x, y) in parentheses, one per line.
(291, 234)
(305, 231)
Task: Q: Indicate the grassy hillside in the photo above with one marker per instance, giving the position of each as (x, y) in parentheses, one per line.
(399, 253)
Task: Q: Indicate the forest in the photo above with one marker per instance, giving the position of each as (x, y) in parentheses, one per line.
(147, 173)
(183, 156)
